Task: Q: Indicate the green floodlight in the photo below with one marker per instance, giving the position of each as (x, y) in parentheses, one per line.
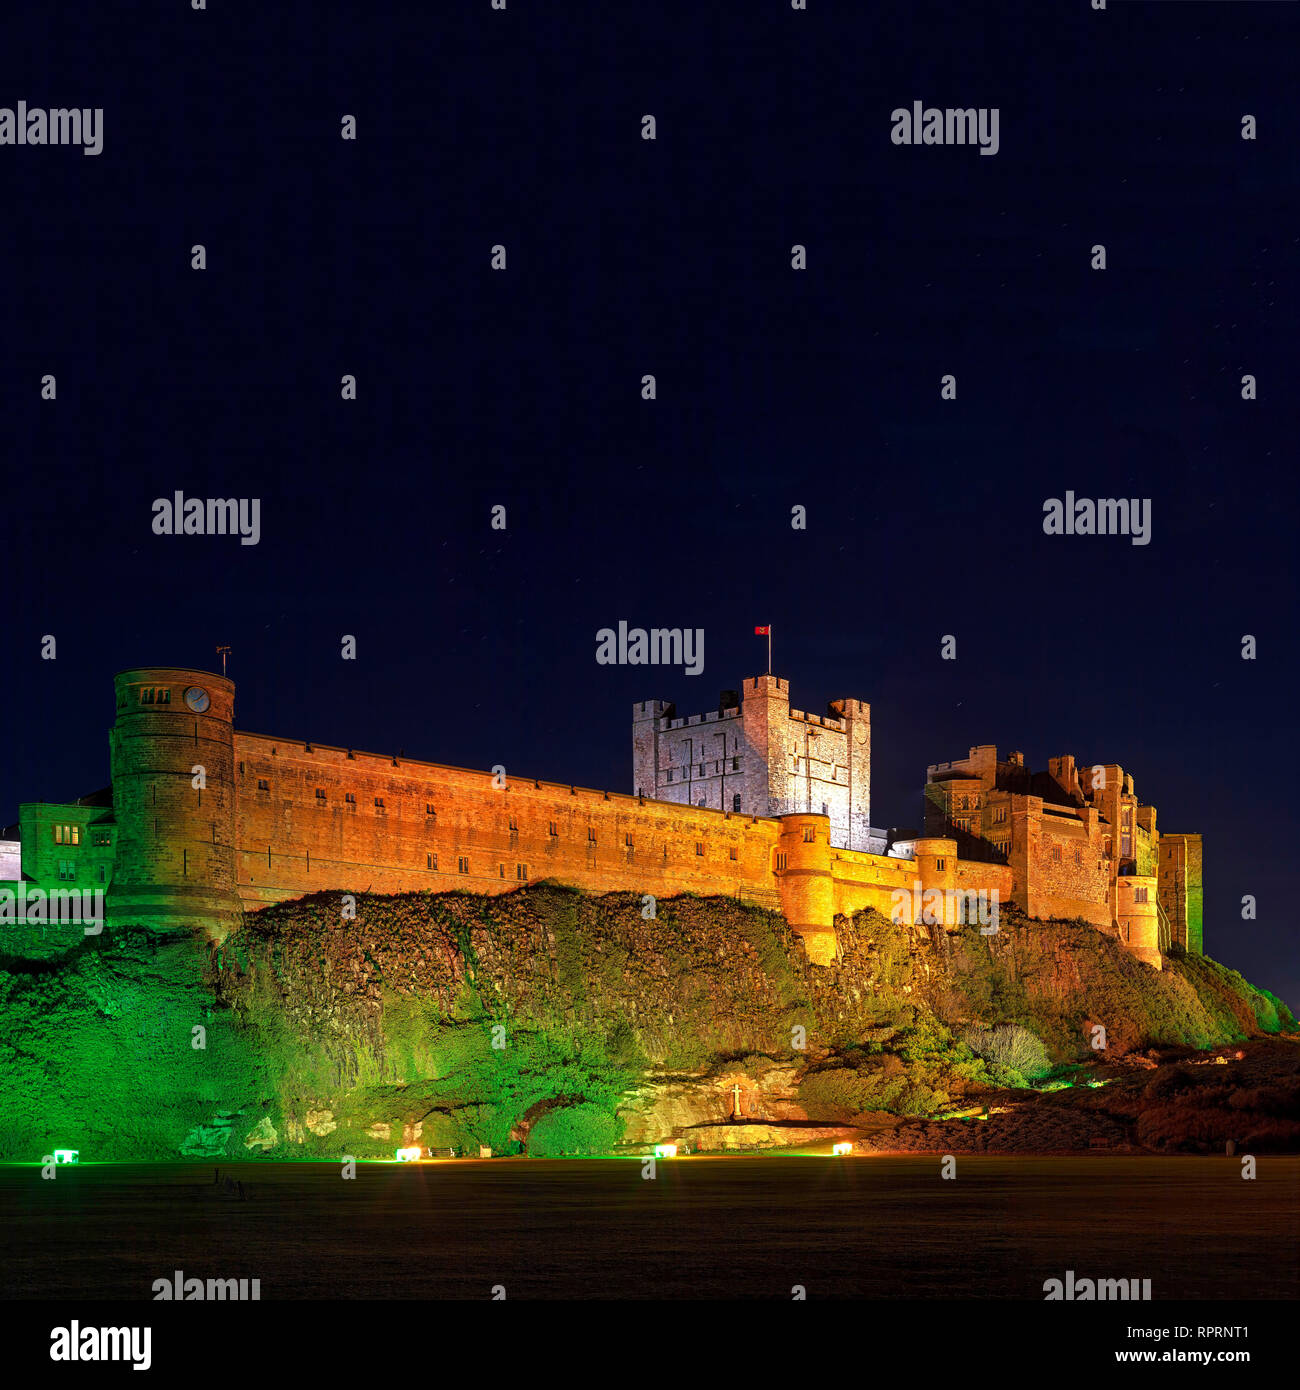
(66, 1155)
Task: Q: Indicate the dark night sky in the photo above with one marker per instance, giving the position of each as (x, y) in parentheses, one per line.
(775, 388)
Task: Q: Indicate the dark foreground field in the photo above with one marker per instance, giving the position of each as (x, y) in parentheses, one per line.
(702, 1228)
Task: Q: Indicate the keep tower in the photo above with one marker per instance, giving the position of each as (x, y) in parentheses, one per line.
(175, 864)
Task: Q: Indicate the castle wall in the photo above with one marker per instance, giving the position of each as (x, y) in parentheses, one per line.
(1058, 862)
(209, 819)
(441, 828)
(1180, 889)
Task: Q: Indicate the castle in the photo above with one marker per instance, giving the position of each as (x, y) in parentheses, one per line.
(203, 821)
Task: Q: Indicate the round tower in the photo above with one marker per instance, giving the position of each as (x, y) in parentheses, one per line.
(936, 867)
(173, 764)
(806, 885)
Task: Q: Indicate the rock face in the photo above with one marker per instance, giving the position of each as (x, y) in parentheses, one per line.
(663, 1106)
(546, 1021)
(262, 1135)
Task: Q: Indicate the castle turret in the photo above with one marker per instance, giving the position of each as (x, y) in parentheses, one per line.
(803, 875)
(172, 752)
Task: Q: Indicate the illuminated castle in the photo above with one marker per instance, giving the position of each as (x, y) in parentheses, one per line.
(754, 800)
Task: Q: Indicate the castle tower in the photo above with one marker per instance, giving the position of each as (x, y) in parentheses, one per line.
(172, 756)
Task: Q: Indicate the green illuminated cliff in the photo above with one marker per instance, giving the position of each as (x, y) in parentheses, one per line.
(549, 1022)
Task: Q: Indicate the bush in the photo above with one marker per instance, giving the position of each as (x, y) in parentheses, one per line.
(573, 1130)
(1013, 1053)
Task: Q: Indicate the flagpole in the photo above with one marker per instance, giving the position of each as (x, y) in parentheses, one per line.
(769, 649)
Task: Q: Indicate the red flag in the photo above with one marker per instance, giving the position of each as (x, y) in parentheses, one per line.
(762, 632)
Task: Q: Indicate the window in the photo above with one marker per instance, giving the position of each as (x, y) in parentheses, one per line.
(809, 834)
(669, 776)
(591, 834)
(350, 800)
(965, 803)
(462, 865)
(627, 840)
(780, 862)
(379, 803)
(1078, 856)
(938, 864)
(431, 861)
(702, 770)
(514, 826)
(103, 837)
(321, 798)
(263, 785)
(67, 868)
(735, 764)
(521, 872)
(735, 802)
(428, 809)
(734, 855)
(501, 871)
(1056, 854)
(699, 847)
(1110, 847)
(103, 874)
(551, 830)
(1126, 846)
(826, 810)
(1139, 895)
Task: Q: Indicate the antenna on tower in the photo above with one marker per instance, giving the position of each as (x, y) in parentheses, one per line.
(223, 653)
